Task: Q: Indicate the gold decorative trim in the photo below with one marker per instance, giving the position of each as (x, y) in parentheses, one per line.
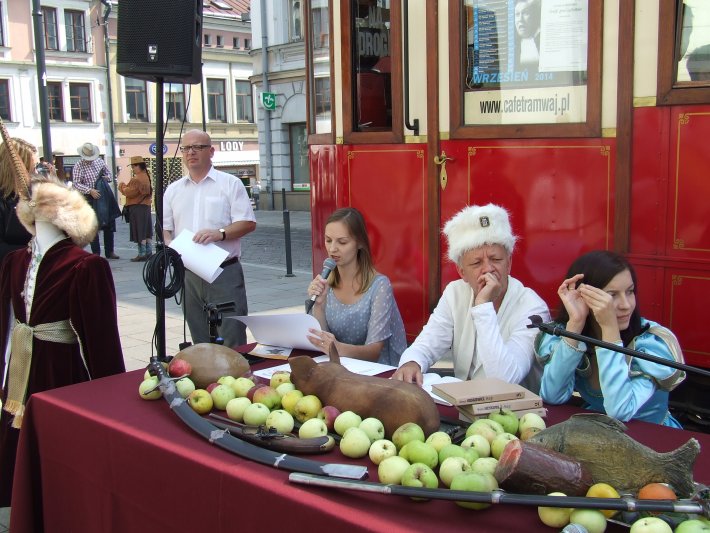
(471, 150)
(414, 139)
(678, 244)
(684, 118)
(645, 101)
(605, 150)
(444, 135)
(339, 140)
(676, 280)
(609, 133)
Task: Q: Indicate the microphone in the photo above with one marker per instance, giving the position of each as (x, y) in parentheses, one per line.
(328, 266)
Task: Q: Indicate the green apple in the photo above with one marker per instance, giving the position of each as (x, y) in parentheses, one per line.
(478, 443)
(241, 386)
(474, 481)
(235, 408)
(529, 432)
(373, 428)
(200, 401)
(221, 395)
(593, 520)
(500, 442)
(450, 450)
(421, 452)
(470, 455)
(391, 469)
(355, 443)
(149, 384)
(531, 420)
(693, 526)
(185, 386)
(649, 524)
(407, 432)
(451, 467)
(256, 414)
(506, 418)
(485, 427)
(227, 380)
(307, 408)
(438, 440)
(485, 465)
(290, 399)
(312, 428)
(280, 420)
(279, 377)
(345, 421)
(381, 449)
(268, 396)
(555, 516)
(284, 388)
(419, 475)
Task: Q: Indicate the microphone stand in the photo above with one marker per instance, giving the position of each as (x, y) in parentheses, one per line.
(555, 329)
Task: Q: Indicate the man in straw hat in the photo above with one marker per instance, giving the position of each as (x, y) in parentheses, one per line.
(84, 175)
(481, 318)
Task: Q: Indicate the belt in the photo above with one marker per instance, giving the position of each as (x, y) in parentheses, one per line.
(229, 262)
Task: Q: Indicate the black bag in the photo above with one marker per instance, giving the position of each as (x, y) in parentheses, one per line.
(106, 207)
(125, 213)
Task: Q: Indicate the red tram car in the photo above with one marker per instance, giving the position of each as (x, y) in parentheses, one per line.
(589, 120)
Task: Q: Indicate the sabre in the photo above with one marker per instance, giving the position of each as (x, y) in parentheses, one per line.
(555, 329)
(692, 506)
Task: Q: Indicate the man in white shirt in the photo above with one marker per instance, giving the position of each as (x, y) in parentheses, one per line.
(216, 207)
(482, 318)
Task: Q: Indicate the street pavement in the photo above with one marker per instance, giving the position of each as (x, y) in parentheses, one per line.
(269, 289)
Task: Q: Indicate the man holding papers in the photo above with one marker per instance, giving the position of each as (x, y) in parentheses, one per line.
(481, 318)
(215, 206)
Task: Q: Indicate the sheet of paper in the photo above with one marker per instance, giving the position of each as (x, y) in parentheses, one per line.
(430, 379)
(202, 259)
(271, 352)
(364, 368)
(288, 331)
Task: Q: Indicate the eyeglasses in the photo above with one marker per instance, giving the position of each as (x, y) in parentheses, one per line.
(193, 147)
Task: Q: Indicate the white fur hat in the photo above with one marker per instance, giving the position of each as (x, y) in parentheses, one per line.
(477, 225)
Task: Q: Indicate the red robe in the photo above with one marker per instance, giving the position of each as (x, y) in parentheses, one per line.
(71, 284)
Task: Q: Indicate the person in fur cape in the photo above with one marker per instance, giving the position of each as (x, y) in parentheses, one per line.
(58, 322)
(481, 319)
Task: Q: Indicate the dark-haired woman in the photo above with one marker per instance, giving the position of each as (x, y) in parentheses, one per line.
(355, 306)
(599, 300)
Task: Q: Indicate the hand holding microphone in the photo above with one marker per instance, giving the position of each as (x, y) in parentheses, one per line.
(328, 266)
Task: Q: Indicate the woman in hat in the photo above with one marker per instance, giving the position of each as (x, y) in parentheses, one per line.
(138, 192)
(599, 300)
(12, 234)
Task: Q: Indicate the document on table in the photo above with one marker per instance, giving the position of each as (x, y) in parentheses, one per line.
(357, 366)
(281, 331)
(202, 259)
(430, 379)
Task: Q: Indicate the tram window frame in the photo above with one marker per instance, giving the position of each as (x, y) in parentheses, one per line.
(591, 127)
(669, 90)
(351, 135)
(313, 136)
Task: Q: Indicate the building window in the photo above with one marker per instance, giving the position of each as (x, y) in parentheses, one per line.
(49, 20)
(216, 98)
(2, 32)
(76, 33)
(299, 154)
(245, 111)
(80, 100)
(208, 39)
(136, 100)
(5, 100)
(220, 41)
(296, 28)
(54, 99)
(247, 44)
(175, 101)
(235, 42)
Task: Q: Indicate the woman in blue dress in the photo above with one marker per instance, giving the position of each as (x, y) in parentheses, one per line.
(599, 300)
(355, 306)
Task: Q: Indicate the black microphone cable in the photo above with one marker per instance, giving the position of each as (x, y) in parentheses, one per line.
(164, 272)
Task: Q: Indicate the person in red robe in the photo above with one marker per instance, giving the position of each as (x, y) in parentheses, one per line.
(58, 322)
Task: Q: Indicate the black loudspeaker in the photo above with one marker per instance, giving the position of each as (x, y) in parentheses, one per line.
(160, 39)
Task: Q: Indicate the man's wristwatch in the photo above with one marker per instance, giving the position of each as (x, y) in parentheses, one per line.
(223, 232)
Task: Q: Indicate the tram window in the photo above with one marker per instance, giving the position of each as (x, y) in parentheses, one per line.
(320, 93)
(684, 52)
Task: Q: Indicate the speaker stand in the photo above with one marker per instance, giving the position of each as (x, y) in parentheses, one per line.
(160, 243)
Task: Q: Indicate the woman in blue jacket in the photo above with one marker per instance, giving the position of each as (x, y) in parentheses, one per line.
(599, 300)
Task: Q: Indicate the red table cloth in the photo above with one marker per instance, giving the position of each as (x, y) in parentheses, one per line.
(94, 457)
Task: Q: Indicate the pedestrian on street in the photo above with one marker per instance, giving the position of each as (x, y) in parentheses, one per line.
(216, 207)
(138, 192)
(255, 192)
(86, 175)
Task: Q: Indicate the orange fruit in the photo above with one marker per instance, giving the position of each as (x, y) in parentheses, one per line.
(603, 490)
(656, 491)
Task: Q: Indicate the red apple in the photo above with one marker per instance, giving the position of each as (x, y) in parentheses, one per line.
(328, 414)
(211, 387)
(250, 392)
(179, 367)
(268, 396)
